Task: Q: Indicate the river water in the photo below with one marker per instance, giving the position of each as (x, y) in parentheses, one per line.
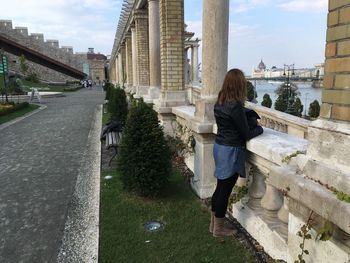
(307, 93)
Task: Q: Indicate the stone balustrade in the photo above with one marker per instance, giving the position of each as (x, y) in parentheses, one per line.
(193, 94)
(272, 119)
(280, 121)
(277, 191)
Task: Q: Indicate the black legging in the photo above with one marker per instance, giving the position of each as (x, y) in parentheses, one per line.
(219, 200)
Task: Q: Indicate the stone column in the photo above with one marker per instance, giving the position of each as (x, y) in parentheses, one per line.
(334, 125)
(215, 51)
(134, 59)
(154, 48)
(116, 66)
(172, 55)
(186, 67)
(194, 60)
(141, 26)
(128, 48)
(123, 56)
(120, 69)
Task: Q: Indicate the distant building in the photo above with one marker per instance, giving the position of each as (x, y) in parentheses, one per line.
(262, 72)
(259, 72)
(97, 63)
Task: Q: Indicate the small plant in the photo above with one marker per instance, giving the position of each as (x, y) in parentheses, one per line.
(144, 160)
(289, 157)
(238, 193)
(341, 195)
(304, 234)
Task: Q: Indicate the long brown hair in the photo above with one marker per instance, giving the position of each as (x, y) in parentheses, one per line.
(234, 87)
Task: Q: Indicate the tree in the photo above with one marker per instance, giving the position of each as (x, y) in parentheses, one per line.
(298, 107)
(144, 160)
(287, 93)
(267, 102)
(251, 94)
(314, 109)
(23, 64)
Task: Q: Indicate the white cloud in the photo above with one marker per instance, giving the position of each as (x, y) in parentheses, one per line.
(305, 5)
(77, 23)
(239, 6)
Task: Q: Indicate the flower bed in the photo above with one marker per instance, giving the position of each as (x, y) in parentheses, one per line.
(7, 108)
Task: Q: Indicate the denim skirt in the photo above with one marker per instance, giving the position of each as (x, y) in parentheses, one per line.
(228, 161)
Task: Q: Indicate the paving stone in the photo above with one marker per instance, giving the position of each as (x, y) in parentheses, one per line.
(39, 161)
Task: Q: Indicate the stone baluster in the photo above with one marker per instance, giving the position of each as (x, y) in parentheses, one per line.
(271, 202)
(283, 215)
(257, 189)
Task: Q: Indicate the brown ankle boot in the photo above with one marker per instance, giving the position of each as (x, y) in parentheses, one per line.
(220, 229)
(211, 226)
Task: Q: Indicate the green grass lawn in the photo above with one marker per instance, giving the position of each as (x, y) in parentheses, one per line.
(19, 113)
(185, 237)
(47, 87)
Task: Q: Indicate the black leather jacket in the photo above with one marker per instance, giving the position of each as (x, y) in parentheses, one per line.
(232, 125)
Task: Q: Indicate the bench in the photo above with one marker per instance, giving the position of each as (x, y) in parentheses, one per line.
(112, 141)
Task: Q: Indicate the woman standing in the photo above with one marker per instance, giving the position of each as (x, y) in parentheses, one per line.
(229, 148)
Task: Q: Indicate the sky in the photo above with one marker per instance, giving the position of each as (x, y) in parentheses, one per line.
(277, 31)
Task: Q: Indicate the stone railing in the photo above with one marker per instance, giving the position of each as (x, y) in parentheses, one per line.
(272, 119)
(193, 93)
(280, 121)
(282, 192)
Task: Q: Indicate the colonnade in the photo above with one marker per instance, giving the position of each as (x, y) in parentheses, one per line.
(150, 57)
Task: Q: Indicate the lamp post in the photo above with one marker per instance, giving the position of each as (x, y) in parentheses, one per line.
(288, 71)
(305, 104)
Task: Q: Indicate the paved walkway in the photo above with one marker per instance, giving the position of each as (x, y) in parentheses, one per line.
(40, 158)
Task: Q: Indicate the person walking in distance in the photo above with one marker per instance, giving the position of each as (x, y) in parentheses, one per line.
(230, 146)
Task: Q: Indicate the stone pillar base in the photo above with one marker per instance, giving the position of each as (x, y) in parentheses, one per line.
(142, 91)
(168, 99)
(205, 109)
(204, 182)
(154, 93)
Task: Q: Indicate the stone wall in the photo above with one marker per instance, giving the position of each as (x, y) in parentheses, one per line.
(336, 94)
(50, 48)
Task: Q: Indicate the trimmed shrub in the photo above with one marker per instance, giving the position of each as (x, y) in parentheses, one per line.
(267, 102)
(108, 87)
(251, 94)
(144, 160)
(117, 105)
(314, 109)
(298, 107)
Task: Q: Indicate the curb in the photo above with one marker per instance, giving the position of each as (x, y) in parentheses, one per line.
(81, 232)
(7, 124)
